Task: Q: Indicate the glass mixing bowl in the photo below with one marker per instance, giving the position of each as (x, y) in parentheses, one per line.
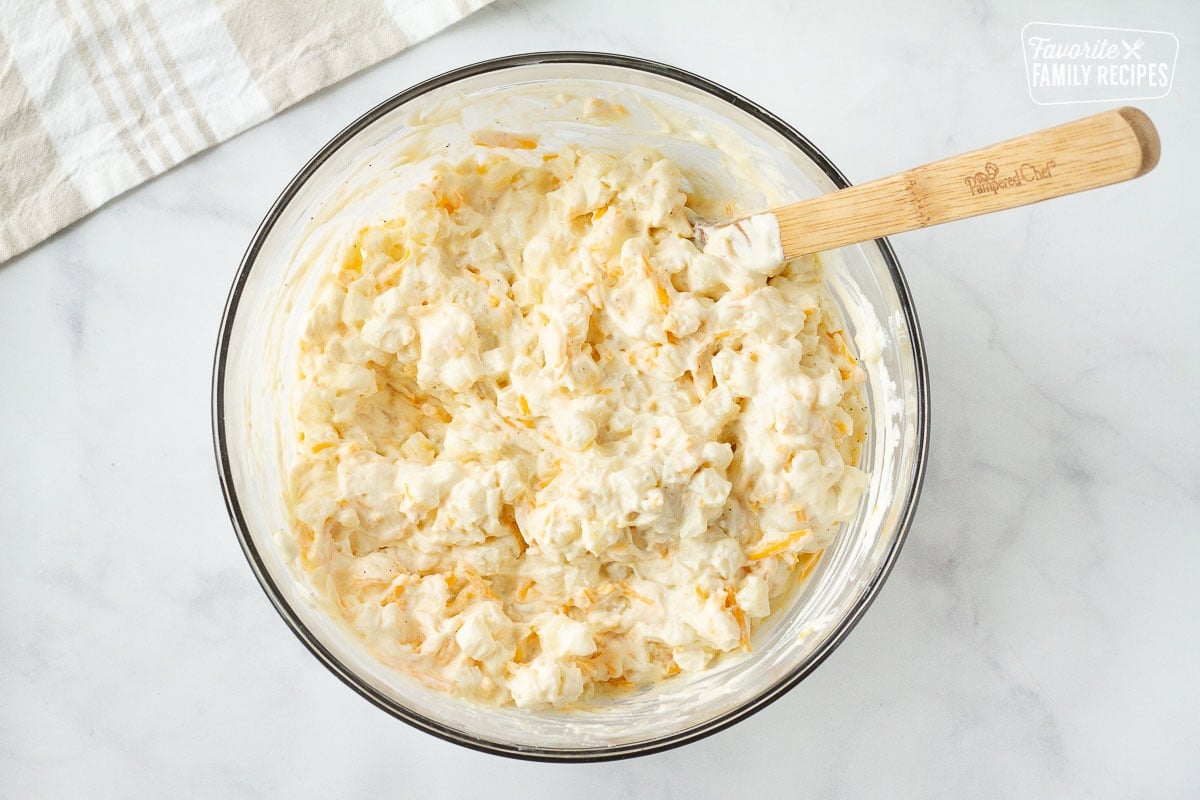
(377, 155)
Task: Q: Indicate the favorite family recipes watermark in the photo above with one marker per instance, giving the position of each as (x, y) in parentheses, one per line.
(1085, 64)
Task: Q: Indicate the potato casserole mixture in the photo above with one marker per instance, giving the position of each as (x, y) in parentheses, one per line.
(547, 446)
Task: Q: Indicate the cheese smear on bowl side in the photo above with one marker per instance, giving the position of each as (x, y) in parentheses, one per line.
(547, 447)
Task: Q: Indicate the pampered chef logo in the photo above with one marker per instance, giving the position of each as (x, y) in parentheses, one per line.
(1085, 64)
(990, 181)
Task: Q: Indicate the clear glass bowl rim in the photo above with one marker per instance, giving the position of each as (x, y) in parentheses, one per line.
(432, 726)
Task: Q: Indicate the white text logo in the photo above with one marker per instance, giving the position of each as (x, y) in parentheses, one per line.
(1084, 64)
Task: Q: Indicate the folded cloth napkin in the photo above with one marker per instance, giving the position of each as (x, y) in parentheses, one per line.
(97, 96)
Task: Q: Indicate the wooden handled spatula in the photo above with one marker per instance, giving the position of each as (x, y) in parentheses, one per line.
(1088, 153)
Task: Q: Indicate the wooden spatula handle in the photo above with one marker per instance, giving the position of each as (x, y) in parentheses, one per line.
(1085, 154)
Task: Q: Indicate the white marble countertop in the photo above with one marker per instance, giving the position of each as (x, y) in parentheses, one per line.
(1037, 638)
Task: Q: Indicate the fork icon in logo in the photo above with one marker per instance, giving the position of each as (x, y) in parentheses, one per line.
(1132, 49)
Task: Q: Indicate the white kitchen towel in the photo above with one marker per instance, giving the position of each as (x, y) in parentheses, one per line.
(97, 96)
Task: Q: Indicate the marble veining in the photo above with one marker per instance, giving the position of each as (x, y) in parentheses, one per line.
(1037, 635)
